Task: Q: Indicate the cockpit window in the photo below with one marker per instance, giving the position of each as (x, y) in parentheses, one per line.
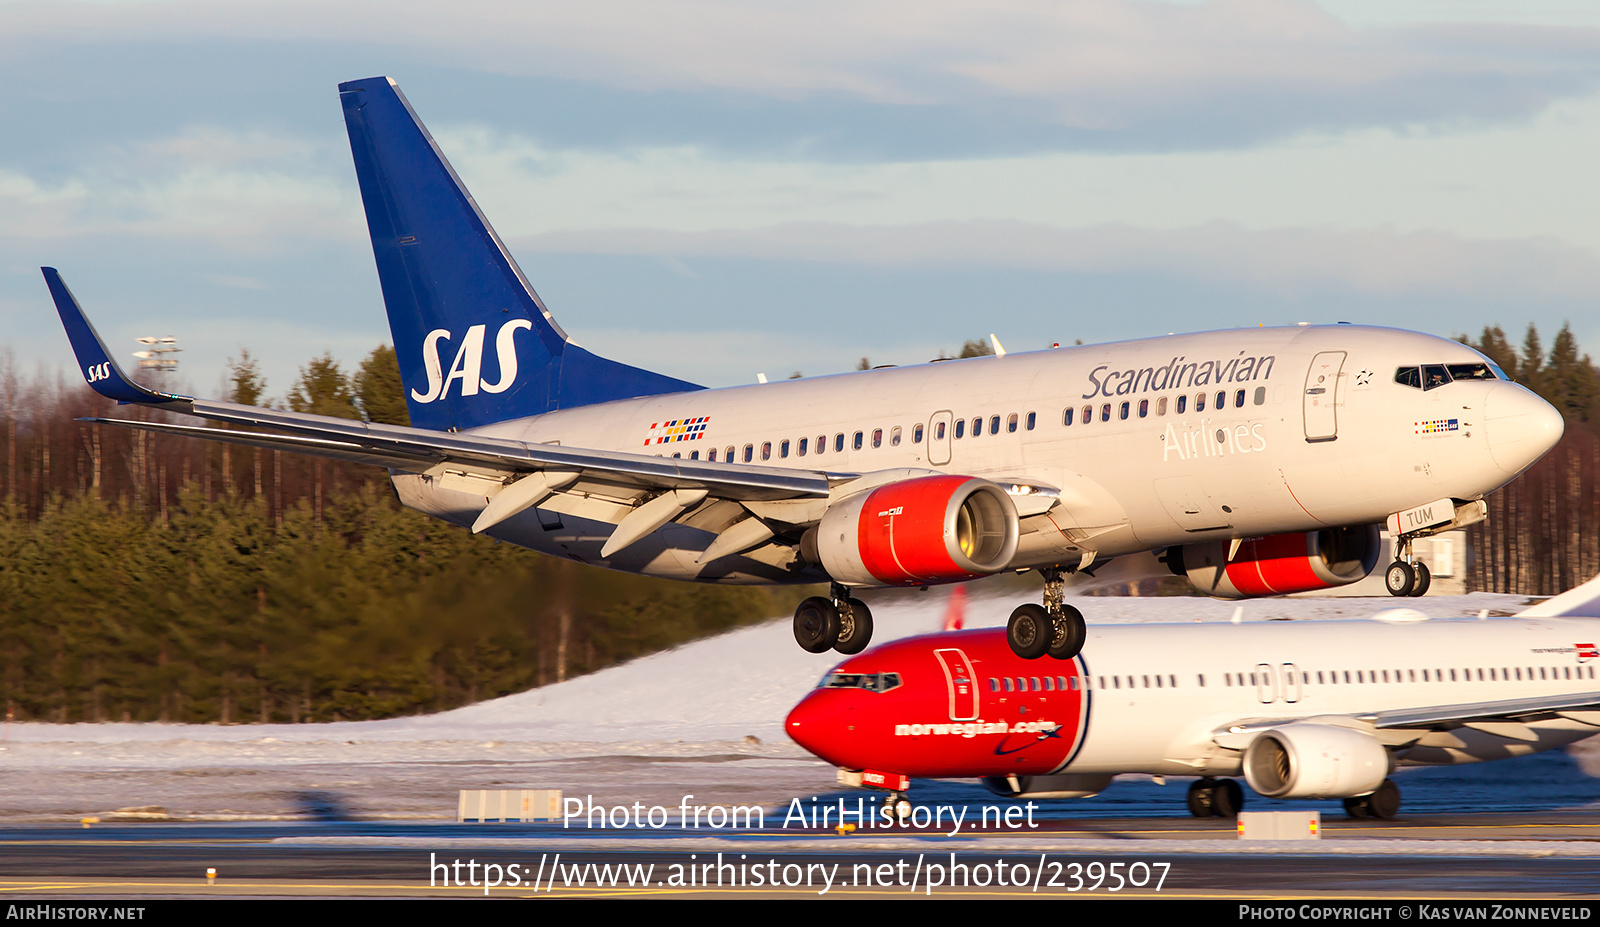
(1471, 372)
(872, 682)
(1433, 376)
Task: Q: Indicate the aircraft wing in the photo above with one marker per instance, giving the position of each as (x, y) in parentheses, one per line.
(1508, 718)
(419, 449)
(1578, 602)
(1469, 714)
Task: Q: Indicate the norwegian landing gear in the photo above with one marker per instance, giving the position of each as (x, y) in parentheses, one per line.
(1407, 576)
(1382, 804)
(896, 807)
(837, 623)
(1055, 628)
(1219, 798)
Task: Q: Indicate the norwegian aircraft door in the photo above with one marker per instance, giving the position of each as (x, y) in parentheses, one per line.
(1266, 685)
(1322, 397)
(1291, 683)
(939, 438)
(962, 684)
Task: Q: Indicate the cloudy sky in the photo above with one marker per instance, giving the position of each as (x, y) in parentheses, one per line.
(717, 188)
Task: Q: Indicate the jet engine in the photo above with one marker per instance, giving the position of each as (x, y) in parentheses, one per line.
(1081, 785)
(1280, 563)
(1315, 761)
(932, 529)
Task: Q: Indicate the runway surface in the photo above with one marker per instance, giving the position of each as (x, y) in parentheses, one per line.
(367, 809)
(1534, 833)
(1426, 856)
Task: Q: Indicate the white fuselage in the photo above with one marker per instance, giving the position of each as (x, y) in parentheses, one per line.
(1170, 440)
(1213, 677)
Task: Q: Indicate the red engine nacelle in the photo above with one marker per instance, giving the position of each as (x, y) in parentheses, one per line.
(934, 529)
(1281, 563)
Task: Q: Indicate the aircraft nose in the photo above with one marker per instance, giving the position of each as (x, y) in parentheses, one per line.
(807, 725)
(1520, 427)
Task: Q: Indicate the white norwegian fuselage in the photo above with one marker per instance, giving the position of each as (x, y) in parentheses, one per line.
(1212, 677)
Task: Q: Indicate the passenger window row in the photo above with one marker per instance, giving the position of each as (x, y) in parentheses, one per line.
(1363, 677)
(1126, 408)
(977, 425)
(1010, 425)
(860, 440)
(1079, 683)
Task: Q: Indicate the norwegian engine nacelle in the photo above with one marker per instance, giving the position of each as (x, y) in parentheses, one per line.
(1315, 761)
(1280, 563)
(1082, 785)
(933, 529)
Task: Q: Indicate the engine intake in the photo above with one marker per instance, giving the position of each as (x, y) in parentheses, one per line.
(1315, 761)
(1280, 563)
(934, 529)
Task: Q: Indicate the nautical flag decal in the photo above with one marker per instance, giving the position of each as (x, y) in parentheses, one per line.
(678, 429)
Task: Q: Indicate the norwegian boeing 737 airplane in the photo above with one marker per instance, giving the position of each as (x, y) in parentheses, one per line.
(1302, 709)
(1261, 461)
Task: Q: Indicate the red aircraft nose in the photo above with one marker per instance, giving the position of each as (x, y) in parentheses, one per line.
(813, 726)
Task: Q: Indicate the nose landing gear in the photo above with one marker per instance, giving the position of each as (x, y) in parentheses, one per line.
(1407, 576)
(1055, 628)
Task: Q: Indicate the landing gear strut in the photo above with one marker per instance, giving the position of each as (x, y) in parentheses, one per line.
(1221, 798)
(838, 622)
(1407, 576)
(1055, 628)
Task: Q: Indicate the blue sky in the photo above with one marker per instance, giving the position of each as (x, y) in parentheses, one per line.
(715, 189)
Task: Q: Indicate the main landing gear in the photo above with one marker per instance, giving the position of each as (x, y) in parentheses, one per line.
(1220, 798)
(838, 622)
(1382, 804)
(1407, 576)
(1055, 628)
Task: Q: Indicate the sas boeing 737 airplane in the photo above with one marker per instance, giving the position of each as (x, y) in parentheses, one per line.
(1324, 709)
(1260, 460)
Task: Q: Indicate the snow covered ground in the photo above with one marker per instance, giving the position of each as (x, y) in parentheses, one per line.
(703, 719)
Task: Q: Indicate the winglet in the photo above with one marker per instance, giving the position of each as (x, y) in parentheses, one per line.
(99, 370)
(1578, 602)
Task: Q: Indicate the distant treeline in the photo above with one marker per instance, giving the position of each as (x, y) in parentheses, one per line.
(148, 578)
(1541, 536)
(222, 612)
(151, 577)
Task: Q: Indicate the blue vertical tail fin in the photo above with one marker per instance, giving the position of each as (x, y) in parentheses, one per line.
(475, 343)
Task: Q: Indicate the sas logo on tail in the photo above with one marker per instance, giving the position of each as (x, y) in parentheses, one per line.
(468, 365)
